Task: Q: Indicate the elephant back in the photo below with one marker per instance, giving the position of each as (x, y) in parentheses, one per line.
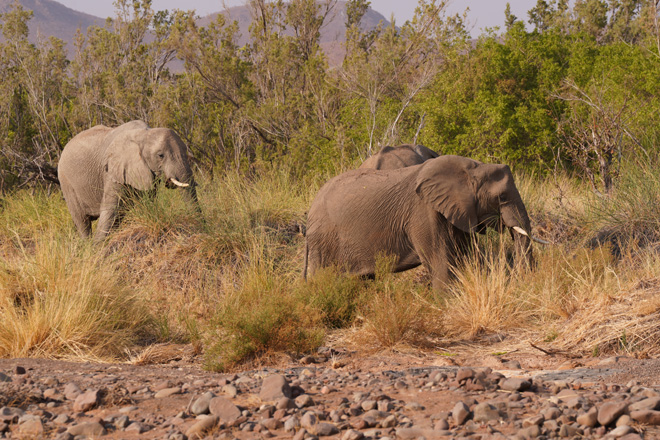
(401, 156)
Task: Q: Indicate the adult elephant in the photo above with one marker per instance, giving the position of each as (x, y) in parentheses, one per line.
(390, 158)
(423, 214)
(99, 164)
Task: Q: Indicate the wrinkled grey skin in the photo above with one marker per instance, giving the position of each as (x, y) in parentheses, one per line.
(391, 158)
(423, 214)
(99, 164)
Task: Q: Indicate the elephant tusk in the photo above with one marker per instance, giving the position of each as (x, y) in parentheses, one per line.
(177, 183)
(520, 230)
(538, 240)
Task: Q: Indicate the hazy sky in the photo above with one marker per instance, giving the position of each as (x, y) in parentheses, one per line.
(483, 13)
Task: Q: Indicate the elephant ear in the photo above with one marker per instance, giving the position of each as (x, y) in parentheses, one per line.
(446, 184)
(125, 165)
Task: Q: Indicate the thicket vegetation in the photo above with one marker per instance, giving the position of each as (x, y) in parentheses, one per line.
(569, 98)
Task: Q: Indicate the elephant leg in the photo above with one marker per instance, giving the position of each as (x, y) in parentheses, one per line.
(312, 261)
(109, 209)
(84, 225)
(82, 221)
(437, 252)
(439, 271)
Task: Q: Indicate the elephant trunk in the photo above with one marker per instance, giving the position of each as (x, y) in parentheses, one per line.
(182, 177)
(514, 216)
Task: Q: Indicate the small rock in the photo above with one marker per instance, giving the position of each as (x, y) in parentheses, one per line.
(610, 411)
(567, 430)
(300, 435)
(536, 420)
(285, 403)
(52, 394)
(88, 429)
(623, 420)
(292, 424)
(32, 427)
(162, 385)
(71, 391)
(324, 429)
(460, 413)
(464, 374)
(62, 419)
(308, 420)
(201, 427)
(652, 403)
(531, 432)
(620, 431)
(368, 405)
(274, 387)
(551, 413)
(201, 405)
(485, 412)
(648, 417)
(230, 390)
(86, 401)
(307, 360)
(417, 433)
(137, 427)
(304, 400)
(10, 415)
(122, 422)
(511, 365)
(414, 406)
(352, 434)
(385, 405)
(515, 384)
(389, 422)
(271, 424)
(224, 409)
(19, 370)
(167, 392)
(588, 419)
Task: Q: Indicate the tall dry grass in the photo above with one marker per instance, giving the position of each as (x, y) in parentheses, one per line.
(229, 281)
(61, 299)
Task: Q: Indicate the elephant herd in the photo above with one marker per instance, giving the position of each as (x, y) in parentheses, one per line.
(406, 202)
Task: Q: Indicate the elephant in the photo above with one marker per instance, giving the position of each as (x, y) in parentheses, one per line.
(420, 215)
(98, 165)
(390, 158)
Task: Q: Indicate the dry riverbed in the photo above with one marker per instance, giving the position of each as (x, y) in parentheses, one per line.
(338, 395)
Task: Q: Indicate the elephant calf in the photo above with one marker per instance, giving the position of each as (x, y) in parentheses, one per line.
(97, 164)
(422, 214)
(391, 158)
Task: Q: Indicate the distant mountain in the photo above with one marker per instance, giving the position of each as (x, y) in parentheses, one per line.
(54, 19)
(333, 32)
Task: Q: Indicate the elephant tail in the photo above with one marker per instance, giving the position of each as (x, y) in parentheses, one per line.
(306, 260)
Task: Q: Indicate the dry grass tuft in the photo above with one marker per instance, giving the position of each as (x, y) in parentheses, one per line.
(261, 314)
(397, 312)
(64, 300)
(164, 353)
(624, 317)
(487, 296)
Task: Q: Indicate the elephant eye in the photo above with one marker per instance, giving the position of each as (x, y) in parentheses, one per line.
(161, 155)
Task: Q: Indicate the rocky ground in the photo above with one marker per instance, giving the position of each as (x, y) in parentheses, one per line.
(336, 396)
